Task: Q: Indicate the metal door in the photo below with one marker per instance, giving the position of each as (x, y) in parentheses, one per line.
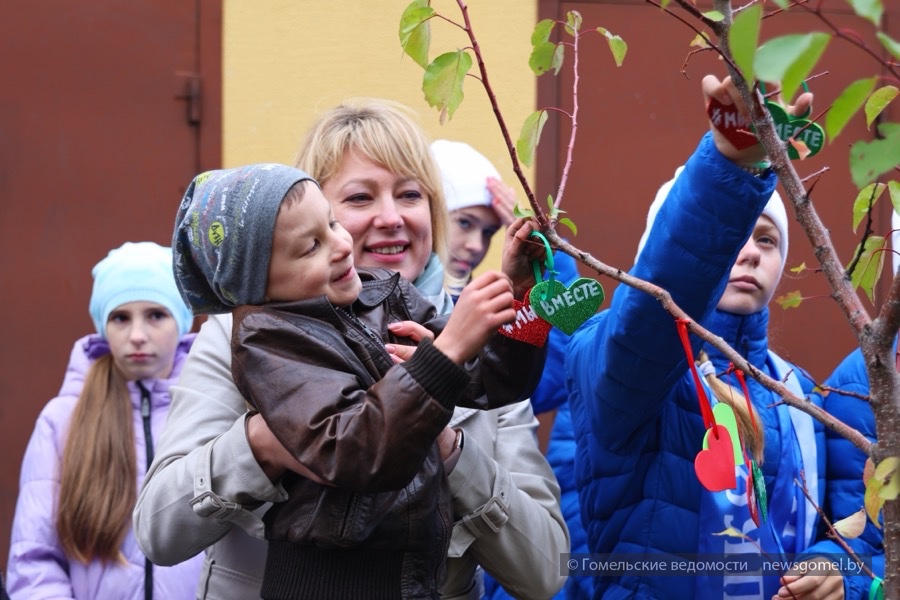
(107, 109)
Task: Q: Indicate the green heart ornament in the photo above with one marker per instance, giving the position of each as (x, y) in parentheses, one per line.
(724, 416)
(802, 130)
(566, 308)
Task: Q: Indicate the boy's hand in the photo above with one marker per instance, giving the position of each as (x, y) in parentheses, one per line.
(518, 252)
(483, 306)
(727, 94)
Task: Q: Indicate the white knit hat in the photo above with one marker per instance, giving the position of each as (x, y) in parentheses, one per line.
(464, 172)
(774, 210)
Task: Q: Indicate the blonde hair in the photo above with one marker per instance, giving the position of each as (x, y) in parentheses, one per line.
(387, 133)
(749, 426)
(97, 490)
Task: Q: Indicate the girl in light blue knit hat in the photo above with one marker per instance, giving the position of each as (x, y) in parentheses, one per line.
(71, 533)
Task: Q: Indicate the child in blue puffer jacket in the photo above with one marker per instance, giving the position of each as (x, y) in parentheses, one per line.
(717, 241)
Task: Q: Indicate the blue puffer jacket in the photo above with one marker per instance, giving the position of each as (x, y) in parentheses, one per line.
(634, 405)
(844, 490)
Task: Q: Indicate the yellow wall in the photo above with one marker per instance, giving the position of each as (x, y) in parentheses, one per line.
(285, 61)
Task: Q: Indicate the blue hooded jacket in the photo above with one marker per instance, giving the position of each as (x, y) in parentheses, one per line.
(844, 487)
(634, 404)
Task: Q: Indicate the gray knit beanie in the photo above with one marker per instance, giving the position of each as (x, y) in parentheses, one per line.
(223, 235)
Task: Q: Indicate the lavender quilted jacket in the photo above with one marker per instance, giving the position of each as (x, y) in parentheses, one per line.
(38, 568)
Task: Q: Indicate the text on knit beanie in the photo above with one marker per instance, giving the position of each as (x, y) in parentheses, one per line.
(464, 173)
(136, 272)
(223, 235)
(774, 209)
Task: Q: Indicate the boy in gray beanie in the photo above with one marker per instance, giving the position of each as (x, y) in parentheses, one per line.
(309, 353)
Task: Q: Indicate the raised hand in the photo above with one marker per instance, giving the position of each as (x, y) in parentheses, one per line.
(484, 305)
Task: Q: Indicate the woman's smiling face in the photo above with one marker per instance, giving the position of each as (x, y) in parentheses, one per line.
(389, 216)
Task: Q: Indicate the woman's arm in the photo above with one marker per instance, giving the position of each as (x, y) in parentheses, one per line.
(38, 567)
(204, 476)
(507, 500)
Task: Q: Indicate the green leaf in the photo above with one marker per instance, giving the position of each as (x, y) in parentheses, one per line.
(714, 15)
(573, 22)
(790, 300)
(545, 55)
(864, 201)
(617, 45)
(415, 33)
(878, 101)
(868, 269)
(847, 105)
(868, 9)
(889, 44)
(443, 82)
(782, 4)
(542, 31)
(743, 38)
(528, 138)
(869, 160)
(519, 212)
(894, 189)
(789, 59)
(570, 224)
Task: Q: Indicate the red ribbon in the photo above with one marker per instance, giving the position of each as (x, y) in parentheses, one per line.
(709, 421)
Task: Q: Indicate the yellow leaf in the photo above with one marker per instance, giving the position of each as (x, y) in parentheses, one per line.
(886, 474)
(732, 532)
(799, 269)
(886, 469)
(852, 527)
(873, 501)
(868, 470)
(790, 300)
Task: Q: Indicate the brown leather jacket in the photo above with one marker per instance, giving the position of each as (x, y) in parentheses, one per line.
(330, 392)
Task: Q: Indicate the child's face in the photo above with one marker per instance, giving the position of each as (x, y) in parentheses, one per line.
(312, 254)
(143, 337)
(471, 230)
(756, 271)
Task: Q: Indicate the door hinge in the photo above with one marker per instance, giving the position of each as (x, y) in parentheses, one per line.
(188, 86)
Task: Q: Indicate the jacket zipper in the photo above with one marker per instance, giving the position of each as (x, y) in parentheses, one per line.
(148, 447)
(356, 321)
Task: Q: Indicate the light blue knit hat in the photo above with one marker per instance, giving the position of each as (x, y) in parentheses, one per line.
(137, 272)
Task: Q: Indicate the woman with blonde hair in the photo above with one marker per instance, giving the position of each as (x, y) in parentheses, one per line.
(218, 465)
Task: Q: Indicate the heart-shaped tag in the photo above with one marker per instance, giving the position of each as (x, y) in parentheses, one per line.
(715, 465)
(528, 327)
(728, 120)
(751, 500)
(566, 308)
(724, 415)
(803, 130)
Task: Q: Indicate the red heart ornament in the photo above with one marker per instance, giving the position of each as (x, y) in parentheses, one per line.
(731, 124)
(528, 327)
(715, 465)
